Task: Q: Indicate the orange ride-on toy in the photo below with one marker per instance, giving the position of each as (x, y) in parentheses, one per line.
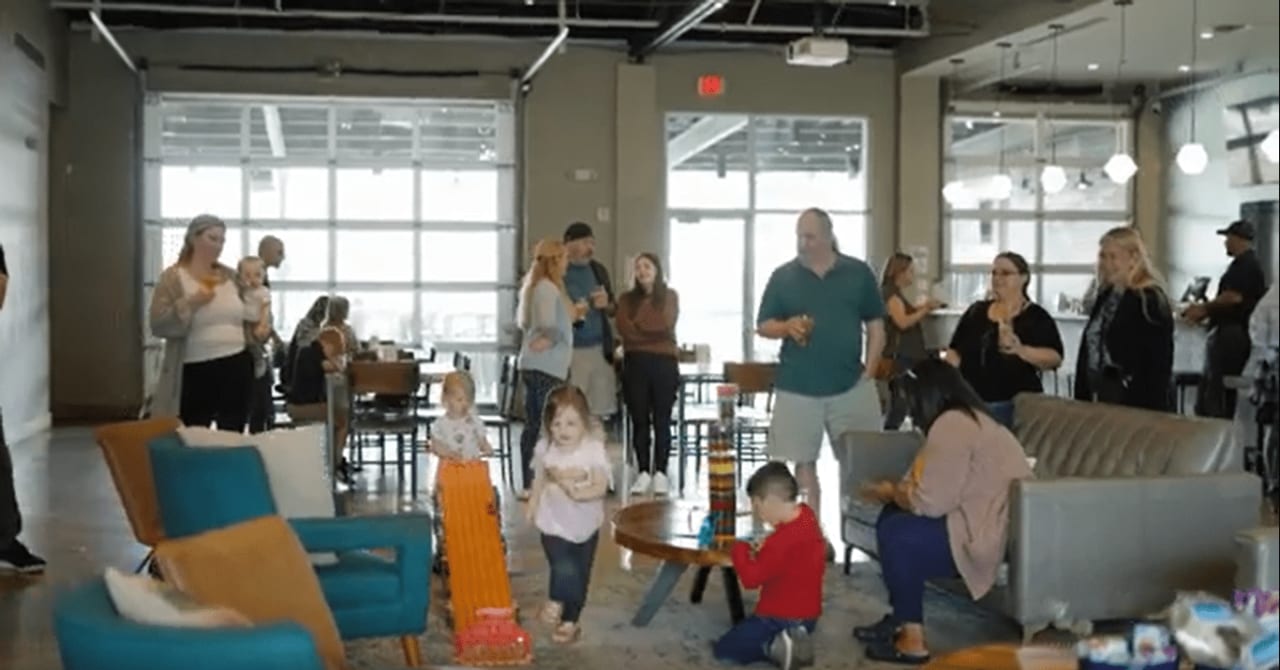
(485, 630)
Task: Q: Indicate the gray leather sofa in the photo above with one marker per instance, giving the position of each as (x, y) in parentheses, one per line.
(1128, 506)
(1258, 558)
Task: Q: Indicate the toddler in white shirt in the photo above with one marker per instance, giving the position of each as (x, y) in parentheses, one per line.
(459, 434)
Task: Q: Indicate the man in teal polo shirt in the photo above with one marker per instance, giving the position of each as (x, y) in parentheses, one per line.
(818, 305)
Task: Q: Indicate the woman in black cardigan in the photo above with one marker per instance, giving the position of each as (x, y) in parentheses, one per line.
(1126, 354)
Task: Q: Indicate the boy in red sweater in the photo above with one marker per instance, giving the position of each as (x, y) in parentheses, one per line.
(787, 568)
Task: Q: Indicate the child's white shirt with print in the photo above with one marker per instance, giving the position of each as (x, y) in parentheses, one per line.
(557, 513)
(463, 435)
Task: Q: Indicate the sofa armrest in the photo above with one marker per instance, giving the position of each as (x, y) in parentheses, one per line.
(1258, 558)
(1109, 548)
(406, 533)
(867, 456)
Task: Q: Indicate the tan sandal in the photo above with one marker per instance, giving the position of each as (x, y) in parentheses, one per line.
(567, 633)
(551, 613)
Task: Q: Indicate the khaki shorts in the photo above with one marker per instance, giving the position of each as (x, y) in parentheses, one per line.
(799, 421)
(589, 371)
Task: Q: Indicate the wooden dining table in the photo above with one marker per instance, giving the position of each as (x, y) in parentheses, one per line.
(668, 530)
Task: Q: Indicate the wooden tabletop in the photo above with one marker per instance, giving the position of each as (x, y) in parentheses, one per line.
(433, 371)
(668, 530)
(1006, 657)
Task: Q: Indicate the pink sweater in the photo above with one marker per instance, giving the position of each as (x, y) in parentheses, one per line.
(965, 473)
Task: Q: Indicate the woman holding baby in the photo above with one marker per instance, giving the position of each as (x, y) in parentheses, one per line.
(199, 308)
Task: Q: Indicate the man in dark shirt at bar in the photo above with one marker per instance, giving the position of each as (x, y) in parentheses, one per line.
(14, 556)
(1227, 347)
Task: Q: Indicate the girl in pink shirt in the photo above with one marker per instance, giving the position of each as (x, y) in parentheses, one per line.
(571, 477)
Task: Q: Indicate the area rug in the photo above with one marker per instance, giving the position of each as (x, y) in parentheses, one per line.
(681, 634)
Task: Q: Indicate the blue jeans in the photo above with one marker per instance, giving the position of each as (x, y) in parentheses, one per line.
(1002, 412)
(913, 549)
(748, 642)
(570, 572)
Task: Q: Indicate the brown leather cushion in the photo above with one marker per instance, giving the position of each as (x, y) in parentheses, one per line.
(259, 569)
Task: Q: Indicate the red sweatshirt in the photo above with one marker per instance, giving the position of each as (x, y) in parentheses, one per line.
(788, 569)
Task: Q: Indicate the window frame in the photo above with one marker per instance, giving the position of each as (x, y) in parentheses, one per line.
(1042, 124)
(501, 158)
(751, 210)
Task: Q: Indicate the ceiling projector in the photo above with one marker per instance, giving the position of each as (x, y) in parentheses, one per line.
(817, 51)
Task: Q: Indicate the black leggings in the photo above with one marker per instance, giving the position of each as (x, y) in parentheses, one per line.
(217, 390)
(537, 386)
(649, 385)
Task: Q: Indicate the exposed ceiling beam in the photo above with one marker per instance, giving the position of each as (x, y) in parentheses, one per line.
(471, 19)
(703, 133)
(111, 39)
(674, 28)
(526, 79)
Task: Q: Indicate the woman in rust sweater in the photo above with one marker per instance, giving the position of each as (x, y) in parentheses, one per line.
(646, 319)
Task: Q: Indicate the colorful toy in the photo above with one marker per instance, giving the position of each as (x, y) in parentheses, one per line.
(485, 630)
(722, 468)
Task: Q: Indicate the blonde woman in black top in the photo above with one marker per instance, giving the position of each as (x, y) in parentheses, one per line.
(1126, 354)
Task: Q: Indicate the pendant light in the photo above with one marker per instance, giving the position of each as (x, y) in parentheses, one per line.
(1120, 168)
(1192, 158)
(1001, 184)
(1053, 178)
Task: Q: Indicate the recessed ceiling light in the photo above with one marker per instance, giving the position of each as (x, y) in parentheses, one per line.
(1093, 66)
(1206, 35)
(1184, 68)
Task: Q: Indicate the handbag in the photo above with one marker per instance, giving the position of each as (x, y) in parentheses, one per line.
(885, 368)
(1110, 386)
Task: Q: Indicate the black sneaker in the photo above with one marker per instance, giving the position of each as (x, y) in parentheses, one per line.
(884, 629)
(17, 558)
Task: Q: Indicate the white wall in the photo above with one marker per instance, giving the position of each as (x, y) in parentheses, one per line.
(25, 88)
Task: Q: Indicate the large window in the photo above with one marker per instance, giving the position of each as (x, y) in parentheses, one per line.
(1058, 231)
(403, 206)
(735, 185)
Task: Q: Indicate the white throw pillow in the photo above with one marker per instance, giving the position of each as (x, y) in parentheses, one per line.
(295, 464)
(144, 600)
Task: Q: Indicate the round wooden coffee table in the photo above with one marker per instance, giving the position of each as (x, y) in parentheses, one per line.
(668, 530)
(1006, 657)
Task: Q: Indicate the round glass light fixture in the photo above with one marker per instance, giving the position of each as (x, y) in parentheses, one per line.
(1271, 146)
(1192, 159)
(1120, 168)
(1053, 179)
(953, 192)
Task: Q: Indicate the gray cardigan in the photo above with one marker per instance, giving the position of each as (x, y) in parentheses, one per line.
(170, 316)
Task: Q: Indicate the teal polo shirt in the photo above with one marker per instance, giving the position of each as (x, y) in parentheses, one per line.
(839, 303)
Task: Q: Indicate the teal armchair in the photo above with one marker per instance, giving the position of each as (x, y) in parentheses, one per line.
(93, 636)
(371, 593)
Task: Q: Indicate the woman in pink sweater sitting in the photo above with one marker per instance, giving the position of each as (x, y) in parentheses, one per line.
(949, 515)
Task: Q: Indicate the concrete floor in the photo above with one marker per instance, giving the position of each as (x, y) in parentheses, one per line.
(73, 517)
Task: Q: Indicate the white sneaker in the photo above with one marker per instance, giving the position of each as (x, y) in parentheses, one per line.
(642, 484)
(661, 485)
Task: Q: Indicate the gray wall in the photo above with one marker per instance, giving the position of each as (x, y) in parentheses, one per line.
(26, 88)
(589, 110)
(1197, 206)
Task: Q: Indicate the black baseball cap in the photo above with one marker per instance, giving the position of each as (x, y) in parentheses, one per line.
(1242, 228)
(577, 231)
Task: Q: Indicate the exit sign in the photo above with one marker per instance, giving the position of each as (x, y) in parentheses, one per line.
(710, 86)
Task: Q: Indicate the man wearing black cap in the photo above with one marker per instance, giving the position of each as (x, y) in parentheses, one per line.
(1227, 316)
(587, 282)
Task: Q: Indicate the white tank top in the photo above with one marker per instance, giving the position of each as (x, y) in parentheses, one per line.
(217, 327)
